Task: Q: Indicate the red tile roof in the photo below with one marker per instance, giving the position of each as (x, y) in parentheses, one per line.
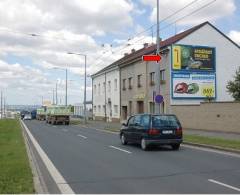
(152, 49)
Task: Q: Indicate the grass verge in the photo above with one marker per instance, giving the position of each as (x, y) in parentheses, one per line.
(220, 142)
(15, 173)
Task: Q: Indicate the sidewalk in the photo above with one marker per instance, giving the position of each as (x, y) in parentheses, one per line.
(214, 134)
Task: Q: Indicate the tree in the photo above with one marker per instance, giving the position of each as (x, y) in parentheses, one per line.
(233, 87)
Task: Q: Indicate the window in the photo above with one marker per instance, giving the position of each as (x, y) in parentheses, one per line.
(109, 86)
(115, 84)
(95, 89)
(95, 109)
(152, 107)
(163, 121)
(124, 84)
(162, 75)
(139, 80)
(137, 120)
(115, 109)
(145, 122)
(152, 79)
(99, 109)
(130, 83)
(131, 121)
(99, 89)
(130, 108)
(103, 88)
(104, 108)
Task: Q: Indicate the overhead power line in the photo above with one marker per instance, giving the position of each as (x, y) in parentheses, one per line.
(170, 24)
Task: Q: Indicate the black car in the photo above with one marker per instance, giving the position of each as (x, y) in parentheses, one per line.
(152, 129)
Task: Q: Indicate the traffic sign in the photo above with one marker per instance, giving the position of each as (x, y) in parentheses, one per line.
(159, 99)
(151, 58)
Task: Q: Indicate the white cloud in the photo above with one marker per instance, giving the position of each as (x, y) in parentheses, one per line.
(235, 36)
(210, 13)
(85, 16)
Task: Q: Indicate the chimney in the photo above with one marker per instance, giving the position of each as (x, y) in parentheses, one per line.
(125, 54)
(133, 50)
(145, 45)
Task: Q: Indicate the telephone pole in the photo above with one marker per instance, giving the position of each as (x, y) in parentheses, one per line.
(66, 88)
(158, 53)
(1, 105)
(53, 98)
(56, 95)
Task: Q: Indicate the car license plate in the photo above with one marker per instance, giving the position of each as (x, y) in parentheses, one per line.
(167, 132)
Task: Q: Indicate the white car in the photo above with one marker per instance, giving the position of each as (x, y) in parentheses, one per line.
(27, 117)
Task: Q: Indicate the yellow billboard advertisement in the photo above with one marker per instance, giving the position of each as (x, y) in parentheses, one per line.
(193, 58)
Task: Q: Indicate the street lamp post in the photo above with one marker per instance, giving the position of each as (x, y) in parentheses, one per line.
(85, 81)
(56, 94)
(65, 86)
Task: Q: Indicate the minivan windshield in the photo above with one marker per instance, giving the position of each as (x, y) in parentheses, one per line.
(164, 121)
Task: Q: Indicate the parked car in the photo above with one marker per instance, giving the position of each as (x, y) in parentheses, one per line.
(27, 117)
(151, 129)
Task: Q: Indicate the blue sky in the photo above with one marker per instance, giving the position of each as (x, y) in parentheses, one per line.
(27, 62)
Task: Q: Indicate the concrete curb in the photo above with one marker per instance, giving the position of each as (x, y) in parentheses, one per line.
(213, 147)
(39, 184)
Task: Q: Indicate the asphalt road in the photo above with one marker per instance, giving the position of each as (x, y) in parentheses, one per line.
(94, 161)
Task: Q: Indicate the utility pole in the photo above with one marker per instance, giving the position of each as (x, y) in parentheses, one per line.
(158, 53)
(158, 40)
(66, 89)
(85, 89)
(53, 98)
(4, 107)
(1, 105)
(56, 95)
(85, 82)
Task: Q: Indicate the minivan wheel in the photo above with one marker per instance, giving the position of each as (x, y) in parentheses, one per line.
(123, 139)
(175, 146)
(143, 144)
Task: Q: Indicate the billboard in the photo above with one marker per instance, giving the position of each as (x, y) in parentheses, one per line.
(193, 58)
(193, 85)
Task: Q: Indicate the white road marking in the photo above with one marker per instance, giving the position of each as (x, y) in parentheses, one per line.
(65, 130)
(56, 175)
(96, 129)
(55, 126)
(106, 131)
(223, 184)
(120, 149)
(82, 136)
(211, 150)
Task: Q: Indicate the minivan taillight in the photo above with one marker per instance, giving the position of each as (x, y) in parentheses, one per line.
(179, 131)
(153, 132)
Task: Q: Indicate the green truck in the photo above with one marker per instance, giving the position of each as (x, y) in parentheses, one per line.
(58, 115)
(41, 114)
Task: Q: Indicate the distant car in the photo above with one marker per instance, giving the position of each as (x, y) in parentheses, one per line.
(151, 129)
(27, 117)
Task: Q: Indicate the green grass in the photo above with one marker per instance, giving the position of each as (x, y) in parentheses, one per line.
(220, 142)
(15, 173)
(75, 122)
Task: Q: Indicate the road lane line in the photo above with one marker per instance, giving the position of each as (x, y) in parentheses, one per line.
(56, 175)
(82, 136)
(120, 149)
(223, 184)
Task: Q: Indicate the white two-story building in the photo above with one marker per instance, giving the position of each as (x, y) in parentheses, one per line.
(106, 94)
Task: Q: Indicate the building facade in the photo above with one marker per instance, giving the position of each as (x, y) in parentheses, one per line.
(195, 67)
(106, 94)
